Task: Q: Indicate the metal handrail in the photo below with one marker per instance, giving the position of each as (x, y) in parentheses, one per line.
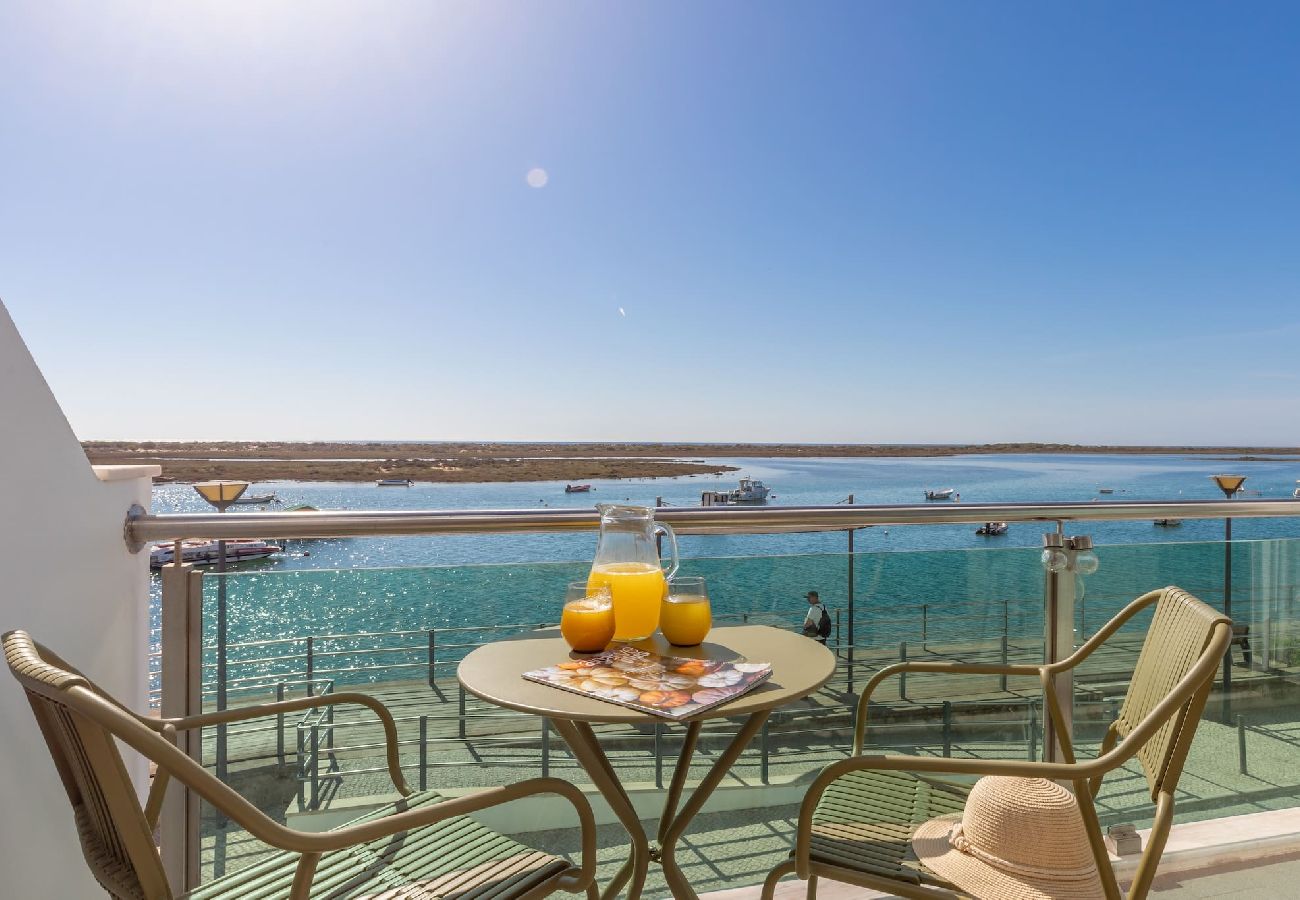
(142, 528)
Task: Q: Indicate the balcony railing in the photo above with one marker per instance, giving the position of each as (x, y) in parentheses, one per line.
(224, 643)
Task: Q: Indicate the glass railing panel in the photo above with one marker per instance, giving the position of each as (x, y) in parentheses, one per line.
(399, 633)
(1243, 757)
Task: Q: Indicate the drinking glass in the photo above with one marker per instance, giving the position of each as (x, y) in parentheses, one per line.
(685, 618)
(587, 621)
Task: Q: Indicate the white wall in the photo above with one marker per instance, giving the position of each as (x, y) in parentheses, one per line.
(66, 577)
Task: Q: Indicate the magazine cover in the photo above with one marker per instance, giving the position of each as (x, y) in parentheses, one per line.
(670, 686)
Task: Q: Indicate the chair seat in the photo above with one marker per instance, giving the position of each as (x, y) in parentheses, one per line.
(865, 821)
(456, 858)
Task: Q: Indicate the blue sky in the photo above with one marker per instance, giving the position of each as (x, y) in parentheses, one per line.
(822, 222)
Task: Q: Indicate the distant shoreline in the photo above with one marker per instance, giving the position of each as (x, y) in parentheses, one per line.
(464, 461)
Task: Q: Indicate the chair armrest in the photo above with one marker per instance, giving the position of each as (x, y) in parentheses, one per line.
(940, 668)
(270, 709)
(932, 764)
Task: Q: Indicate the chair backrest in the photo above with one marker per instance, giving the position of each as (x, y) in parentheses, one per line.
(1180, 634)
(111, 825)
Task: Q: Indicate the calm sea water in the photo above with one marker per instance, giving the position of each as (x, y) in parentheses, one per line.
(945, 579)
(794, 482)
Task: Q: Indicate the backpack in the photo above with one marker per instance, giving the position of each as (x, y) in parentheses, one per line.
(824, 625)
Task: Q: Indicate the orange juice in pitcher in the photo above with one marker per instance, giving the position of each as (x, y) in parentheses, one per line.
(627, 560)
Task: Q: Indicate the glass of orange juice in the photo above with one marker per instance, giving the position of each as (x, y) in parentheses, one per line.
(638, 590)
(587, 621)
(686, 619)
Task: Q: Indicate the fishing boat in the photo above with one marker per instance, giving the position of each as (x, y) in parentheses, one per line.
(992, 529)
(394, 482)
(750, 490)
(577, 488)
(1296, 492)
(258, 498)
(1167, 523)
(1102, 490)
(302, 507)
(202, 553)
(944, 494)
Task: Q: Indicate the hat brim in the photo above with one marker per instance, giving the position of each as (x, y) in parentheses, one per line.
(931, 845)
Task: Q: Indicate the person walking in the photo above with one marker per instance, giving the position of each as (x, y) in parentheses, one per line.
(817, 623)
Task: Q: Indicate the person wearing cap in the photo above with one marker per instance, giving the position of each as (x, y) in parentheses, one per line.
(817, 623)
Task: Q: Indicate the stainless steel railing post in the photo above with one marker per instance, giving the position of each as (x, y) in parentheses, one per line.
(902, 676)
(765, 758)
(1061, 560)
(181, 681)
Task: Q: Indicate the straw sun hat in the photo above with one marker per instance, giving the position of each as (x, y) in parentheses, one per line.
(1018, 838)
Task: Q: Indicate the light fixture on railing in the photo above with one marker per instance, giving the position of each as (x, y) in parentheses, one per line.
(1230, 485)
(221, 493)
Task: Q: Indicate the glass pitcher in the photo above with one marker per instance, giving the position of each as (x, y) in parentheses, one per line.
(627, 560)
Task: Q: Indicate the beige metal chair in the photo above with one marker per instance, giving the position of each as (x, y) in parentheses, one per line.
(859, 815)
(422, 846)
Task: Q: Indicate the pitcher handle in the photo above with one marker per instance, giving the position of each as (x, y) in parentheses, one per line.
(661, 528)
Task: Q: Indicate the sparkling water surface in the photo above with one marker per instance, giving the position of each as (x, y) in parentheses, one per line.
(794, 481)
(910, 580)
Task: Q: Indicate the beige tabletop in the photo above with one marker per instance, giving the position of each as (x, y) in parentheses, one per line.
(494, 672)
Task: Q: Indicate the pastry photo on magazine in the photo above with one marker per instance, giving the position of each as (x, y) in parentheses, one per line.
(669, 686)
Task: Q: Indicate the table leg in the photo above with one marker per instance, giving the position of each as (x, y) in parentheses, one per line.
(672, 874)
(582, 741)
(679, 777)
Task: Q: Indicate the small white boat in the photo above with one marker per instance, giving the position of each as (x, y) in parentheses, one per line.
(258, 498)
(202, 553)
(394, 482)
(1167, 523)
(577, 488)
(944, 494)
(992, 529)
(1296, 492)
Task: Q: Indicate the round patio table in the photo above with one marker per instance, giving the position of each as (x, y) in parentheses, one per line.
(799, 667)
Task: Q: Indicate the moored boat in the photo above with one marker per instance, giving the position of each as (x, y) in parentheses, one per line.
(394, 482)
(992, 529)
(943, 494)
(1102, 490)
(202, 553)
(258, 498)
(750, 490)
(577, 488)
(1167, 523)
(1296, 492)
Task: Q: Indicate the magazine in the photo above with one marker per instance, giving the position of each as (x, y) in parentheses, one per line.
(673, 687)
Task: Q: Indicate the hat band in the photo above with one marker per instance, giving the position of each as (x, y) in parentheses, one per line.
(958, 840)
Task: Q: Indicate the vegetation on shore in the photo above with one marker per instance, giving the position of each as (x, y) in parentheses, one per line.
(497, 461)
